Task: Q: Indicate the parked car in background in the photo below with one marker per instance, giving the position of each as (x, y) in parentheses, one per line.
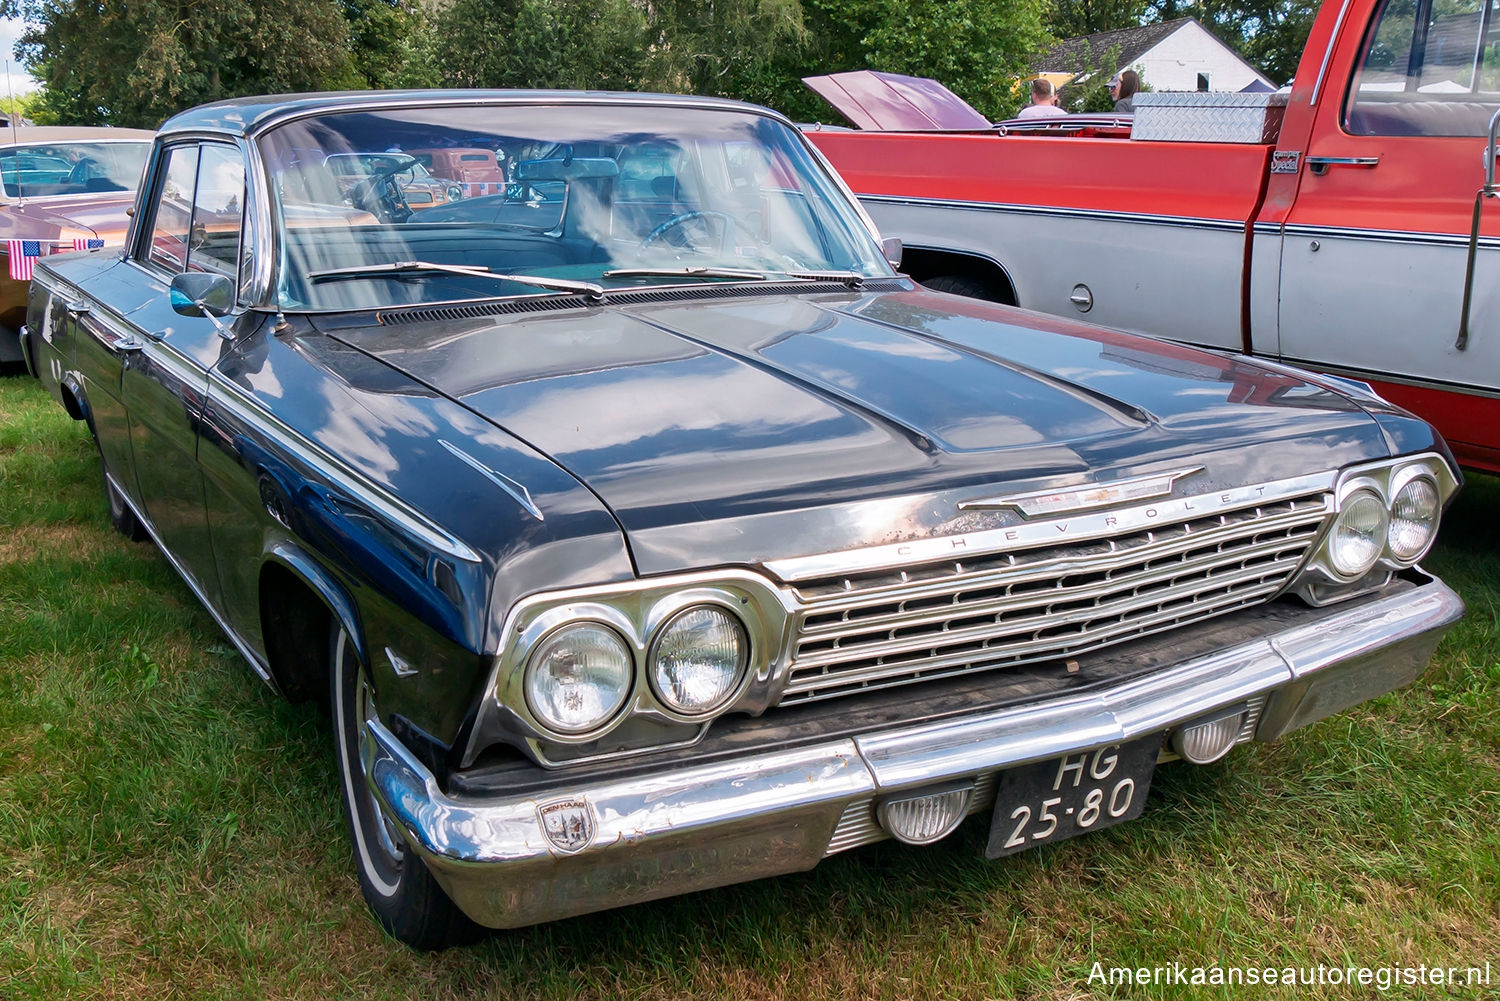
(61, 189)
(658, 536)
(477, 171)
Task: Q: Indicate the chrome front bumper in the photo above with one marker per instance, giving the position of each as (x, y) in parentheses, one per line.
(779, 811)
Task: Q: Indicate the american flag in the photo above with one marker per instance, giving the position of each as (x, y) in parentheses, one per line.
(87, 243)
(23, 255)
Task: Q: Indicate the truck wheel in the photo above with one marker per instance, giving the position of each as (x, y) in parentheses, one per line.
(402, 893)
(973, 288)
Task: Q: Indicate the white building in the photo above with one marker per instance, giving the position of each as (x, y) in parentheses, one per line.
(1172, 55)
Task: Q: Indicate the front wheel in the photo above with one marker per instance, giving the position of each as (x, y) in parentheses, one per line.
(406, 899)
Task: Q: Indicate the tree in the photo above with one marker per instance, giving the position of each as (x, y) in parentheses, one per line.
(138, 63)
(576, 44)
(1076, 18)
(381, 34)
(1268, 33)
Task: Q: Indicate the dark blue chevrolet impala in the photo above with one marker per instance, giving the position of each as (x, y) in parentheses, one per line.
(645, 530)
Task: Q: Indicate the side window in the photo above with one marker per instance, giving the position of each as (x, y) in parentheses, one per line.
(1430, 68)
(172, 216)
(218, 211)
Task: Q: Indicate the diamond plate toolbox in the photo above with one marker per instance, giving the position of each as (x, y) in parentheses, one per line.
(1210, 118)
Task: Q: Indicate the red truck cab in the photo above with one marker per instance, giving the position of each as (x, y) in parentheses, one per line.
(1338, 242)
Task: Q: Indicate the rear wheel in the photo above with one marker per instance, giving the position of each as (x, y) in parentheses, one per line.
(402, 893)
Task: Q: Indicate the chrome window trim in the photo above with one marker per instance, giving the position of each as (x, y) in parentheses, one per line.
(277, 118)
(1333, 41)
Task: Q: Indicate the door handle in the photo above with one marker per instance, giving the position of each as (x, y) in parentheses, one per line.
(1319, 164)
(112, 341)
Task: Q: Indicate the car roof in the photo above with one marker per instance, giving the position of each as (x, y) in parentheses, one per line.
(23, 134)
(248, 116)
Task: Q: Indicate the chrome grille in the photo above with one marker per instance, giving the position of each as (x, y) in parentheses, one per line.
(874, 630)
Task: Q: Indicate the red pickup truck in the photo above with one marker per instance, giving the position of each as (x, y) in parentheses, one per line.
(1349, 227)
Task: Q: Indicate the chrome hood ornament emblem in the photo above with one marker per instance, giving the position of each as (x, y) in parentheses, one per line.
(568, 824)
(1085, 497)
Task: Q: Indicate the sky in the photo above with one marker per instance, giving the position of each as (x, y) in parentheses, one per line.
(20, 82)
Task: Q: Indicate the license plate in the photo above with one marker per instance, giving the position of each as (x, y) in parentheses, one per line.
(1082, 792)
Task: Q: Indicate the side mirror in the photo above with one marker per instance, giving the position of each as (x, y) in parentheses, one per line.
(890, 249)
(201, 293)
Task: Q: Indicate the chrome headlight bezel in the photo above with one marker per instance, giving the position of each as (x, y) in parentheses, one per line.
(637, 611)
(1321, 581)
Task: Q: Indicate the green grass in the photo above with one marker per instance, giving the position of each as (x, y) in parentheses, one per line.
(168, 828)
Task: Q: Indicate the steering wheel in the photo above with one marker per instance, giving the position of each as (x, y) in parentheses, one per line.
(380, 194)
(659, 234)
(85, 170)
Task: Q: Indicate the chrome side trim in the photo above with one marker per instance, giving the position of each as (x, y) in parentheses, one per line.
(1397, 380)
(1074, 529)
(1181, 222)
(765, 812)
(1409, 237)
(245, 407)
(517, 491)
(261, 670)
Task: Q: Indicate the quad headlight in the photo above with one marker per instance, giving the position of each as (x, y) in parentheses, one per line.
(579, 677)
(1414, 519)
(1358, 535)
(697, 660)
(1387, 518)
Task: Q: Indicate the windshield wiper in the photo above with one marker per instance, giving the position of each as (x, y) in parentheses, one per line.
(690, 272)
(594, 292)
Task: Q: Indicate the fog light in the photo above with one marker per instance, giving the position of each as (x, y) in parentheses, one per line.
(925, 816)
(1206, 742)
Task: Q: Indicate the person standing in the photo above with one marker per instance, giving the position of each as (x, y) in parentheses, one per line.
(1043, 101)
(1123, 88)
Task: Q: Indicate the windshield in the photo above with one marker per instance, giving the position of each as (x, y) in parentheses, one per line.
(615, 195)
(43, 170)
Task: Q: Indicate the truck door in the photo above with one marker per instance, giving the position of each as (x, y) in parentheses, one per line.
(1375, 246)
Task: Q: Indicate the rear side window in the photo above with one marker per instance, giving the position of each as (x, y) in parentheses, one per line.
(1430, 68)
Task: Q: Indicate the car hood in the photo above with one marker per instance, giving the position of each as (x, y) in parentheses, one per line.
(760, 427)
(104, 217)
